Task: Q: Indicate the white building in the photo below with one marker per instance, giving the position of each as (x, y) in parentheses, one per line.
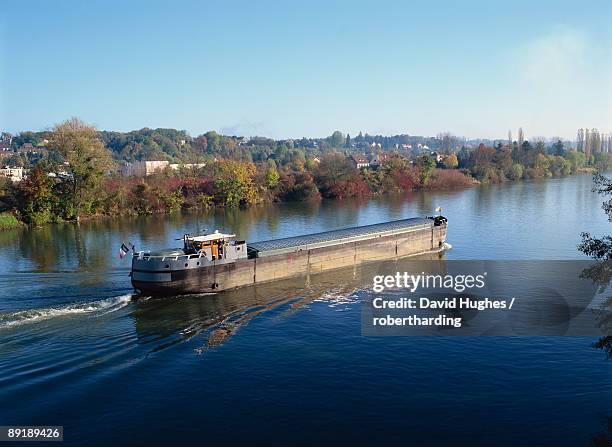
(144, 168)
(359, 161)
(177, 166)
(15, 174)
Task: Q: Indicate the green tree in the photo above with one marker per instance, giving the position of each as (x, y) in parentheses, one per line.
(36, 198)
(87, 161)
(558, 148)
(336, 139)
(425, 164)
(577, 160)
(234, 183)
(272, 175)
(600, 249)
(516, 172)
(213, 141)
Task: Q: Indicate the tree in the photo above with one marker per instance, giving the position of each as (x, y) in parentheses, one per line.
(516, 173)
(213, 141)
(558, 148)
(576, 159)
(580, 140)
(200, 144)
(600, 249)
(337, 177)
(272, 175)
(35, 196)
(451, 162)
(87, 160)
(447, 142)
(336, 139)
(425, 164)
(234, 183)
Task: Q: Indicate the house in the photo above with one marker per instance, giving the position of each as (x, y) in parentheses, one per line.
(29, 148)
(15, 174)
(316, 160)
(437, 157)
(4, 147)
(379, 159)
(359, 161)
(144, 168)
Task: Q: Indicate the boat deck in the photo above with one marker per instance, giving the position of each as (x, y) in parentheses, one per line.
(326, 238)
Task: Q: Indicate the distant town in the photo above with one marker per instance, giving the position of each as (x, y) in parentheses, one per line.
(143, 152)
(75, 171)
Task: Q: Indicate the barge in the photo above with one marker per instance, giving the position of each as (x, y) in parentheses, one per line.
(217, 261)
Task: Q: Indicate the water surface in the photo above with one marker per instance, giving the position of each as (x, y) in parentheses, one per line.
(285, 363)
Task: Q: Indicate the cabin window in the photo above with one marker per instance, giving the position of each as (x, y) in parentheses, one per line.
(186, 264)
(167, 266)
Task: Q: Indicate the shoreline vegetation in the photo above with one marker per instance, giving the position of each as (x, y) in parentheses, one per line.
(8, 221)
(81, 177)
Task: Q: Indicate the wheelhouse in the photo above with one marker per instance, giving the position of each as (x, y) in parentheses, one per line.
(214, 246)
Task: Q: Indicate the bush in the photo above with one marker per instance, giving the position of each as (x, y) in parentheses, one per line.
(406, 179)
(8, 221)
(516, 173)
(449, 179)
(355, 187)
(297, 186)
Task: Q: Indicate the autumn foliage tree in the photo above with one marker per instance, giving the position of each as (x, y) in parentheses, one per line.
(87, 160)
(451, 162)
(234, 183)
(337, 177)
(36, 198)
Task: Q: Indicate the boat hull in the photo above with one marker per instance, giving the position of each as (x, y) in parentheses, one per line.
(218, 276)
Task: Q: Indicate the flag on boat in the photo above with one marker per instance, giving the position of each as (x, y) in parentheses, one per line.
(123, 251)
(439, 209)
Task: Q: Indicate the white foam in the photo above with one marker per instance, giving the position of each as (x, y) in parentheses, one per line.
(338, 297)
(103, 307)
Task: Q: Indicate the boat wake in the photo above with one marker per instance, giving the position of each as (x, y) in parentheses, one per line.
(101, 307)
(340, 297)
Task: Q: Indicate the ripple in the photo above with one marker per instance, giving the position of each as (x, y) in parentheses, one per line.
(103, 307)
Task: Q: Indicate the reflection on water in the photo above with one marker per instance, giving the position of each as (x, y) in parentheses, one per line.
(220, 316)
(92, 245)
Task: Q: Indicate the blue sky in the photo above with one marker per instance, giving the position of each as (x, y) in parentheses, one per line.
(289, 69)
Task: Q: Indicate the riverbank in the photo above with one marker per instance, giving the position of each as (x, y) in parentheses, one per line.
(9, 222)
(226, 183)
(163, 194)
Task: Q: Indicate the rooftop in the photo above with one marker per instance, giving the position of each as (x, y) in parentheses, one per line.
(211, 237)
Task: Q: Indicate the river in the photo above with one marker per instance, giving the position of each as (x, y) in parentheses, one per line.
(286, 363)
